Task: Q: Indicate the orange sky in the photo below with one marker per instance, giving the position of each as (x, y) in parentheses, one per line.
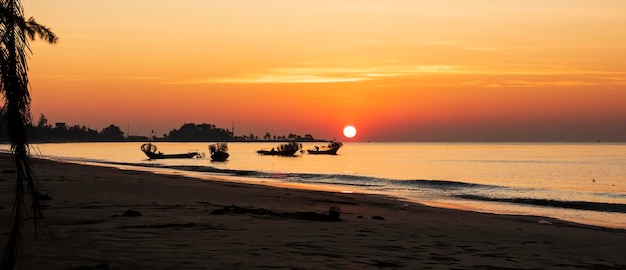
(398, 70)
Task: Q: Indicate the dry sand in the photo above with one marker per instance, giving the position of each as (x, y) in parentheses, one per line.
(177, 230)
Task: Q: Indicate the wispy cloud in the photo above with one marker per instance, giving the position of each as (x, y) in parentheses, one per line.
(558, 76)
(58, 77)
(329, 74)
(479, 49)
(458, 45)
(393, 74)
(281, 78)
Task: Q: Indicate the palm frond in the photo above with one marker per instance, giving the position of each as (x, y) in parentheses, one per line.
(15, 32)
(33, 30)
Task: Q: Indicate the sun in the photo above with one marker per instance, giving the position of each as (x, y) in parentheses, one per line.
(349, 131)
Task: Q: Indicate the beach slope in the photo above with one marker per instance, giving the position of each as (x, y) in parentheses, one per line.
(108, 218)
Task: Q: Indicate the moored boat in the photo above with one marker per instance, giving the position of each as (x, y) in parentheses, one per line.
(330, 149)
(286, 149)
(151, 151)
(219, 151)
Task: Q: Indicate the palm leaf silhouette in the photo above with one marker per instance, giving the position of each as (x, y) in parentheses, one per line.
(15, 32)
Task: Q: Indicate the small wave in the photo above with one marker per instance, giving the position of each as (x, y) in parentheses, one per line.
(311, 178)
(444, 184)
(333, 179)
(208, 169)
(579, 205)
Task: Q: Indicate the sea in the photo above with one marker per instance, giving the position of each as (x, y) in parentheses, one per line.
(579, 182)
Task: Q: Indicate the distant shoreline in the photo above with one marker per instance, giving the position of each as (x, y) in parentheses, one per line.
(158, 140)
(315, 141)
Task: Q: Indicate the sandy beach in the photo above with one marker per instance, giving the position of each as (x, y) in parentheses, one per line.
(107, 218)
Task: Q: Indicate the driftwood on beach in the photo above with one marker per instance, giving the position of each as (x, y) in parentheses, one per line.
(233, 209)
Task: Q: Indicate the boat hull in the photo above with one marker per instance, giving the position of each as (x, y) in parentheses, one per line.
(151, 151)
(219, 151)
(285, 150)
(219, 156)
(284, 153)
(331, 149)
(166, 156)
(323, 152)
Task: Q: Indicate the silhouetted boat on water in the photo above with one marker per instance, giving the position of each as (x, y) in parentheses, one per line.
(330, 149)
(219, 151)
(287, 149)
(151, 151)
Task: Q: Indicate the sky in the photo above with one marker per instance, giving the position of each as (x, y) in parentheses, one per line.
(397, 70)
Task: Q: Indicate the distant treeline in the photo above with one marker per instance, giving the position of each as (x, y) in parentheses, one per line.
(189, 132)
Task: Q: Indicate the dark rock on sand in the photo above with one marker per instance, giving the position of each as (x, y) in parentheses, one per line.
(334, 213)
(378, 218)
(43, 197)
(131, 213)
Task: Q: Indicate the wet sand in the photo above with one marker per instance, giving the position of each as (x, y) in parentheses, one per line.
(176, 222)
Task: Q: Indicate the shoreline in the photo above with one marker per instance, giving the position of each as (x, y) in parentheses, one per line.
(476, 203)
(177, 228)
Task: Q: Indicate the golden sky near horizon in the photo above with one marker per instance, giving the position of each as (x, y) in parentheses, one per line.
(397, 70)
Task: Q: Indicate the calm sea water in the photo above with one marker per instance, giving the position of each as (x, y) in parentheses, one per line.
(584, 183)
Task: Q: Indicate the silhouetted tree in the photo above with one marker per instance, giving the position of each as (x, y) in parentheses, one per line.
(15, 32)
(43, 121)
(202, 132)
(112, 133)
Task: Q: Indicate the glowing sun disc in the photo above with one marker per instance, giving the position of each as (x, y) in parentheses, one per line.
(349, 131)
